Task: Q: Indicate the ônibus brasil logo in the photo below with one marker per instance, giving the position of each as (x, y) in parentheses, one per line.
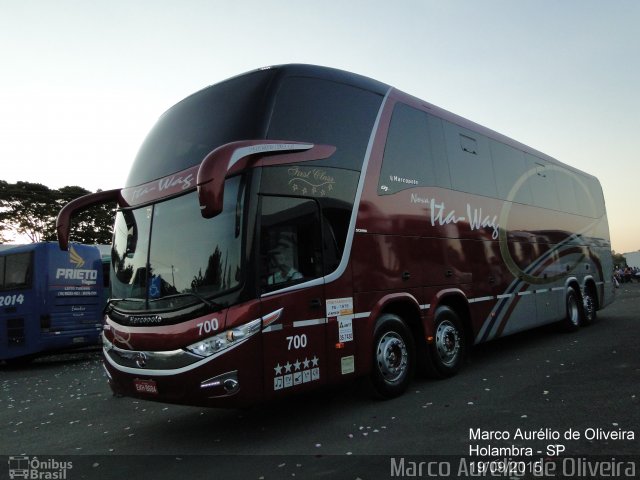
(34, 468)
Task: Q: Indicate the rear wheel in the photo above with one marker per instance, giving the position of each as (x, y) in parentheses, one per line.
(588, 307)
(573, 311)
(393, 357)
(448, 349)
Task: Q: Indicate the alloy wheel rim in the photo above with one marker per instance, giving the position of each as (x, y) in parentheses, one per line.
(447, 342)
(392, 357)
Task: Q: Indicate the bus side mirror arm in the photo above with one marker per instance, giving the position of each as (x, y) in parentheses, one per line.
(233, 157)
(63, 222)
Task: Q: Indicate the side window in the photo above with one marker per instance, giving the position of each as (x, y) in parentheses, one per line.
(566, 192)
(594, 198)
(290, 242)
(469, 161)
(439, 152)
(509, 167)
(17, 271)
(543, 187)
(407, 158)
(332, 188)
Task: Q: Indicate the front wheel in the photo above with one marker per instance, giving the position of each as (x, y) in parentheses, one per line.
(393, 357)
(448, 348)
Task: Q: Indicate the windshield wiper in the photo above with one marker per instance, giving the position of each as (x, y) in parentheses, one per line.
(111, 303)
(212, 305)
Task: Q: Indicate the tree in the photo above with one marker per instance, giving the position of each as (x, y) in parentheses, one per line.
(618, 259)
(28, 209)
(94, 225)
(31, 209)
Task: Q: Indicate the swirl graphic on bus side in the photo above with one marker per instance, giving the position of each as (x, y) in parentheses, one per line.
(504, 215)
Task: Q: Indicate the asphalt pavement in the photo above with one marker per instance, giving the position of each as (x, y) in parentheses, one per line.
(569, 400)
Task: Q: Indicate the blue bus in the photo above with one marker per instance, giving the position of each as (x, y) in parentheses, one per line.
(49, 299)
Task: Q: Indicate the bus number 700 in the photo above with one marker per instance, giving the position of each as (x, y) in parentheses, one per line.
(297, 341)
(207, 326)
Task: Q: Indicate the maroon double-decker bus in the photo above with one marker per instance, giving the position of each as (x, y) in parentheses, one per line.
(300, 226)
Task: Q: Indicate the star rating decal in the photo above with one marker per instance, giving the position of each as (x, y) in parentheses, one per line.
(295, 373)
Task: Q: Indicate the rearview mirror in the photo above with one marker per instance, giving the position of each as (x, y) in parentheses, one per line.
(63, 222)
(233, 157)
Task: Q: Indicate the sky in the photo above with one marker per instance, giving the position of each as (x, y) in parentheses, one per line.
(81, 83)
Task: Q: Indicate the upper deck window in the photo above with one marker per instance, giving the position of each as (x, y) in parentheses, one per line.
(305, 109)
(187, 132)
(326, 112)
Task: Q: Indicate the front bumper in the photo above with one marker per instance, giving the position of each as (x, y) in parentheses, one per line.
(231, 378)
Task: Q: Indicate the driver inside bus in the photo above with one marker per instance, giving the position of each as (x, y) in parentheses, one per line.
(281, 260)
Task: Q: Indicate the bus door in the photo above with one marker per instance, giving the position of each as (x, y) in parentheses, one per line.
(292, 301)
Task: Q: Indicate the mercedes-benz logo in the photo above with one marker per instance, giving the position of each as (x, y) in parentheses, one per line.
(141, 359)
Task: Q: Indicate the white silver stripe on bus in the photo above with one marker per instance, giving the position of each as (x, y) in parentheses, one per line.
(242, 152)
(307, 323)
(175, 371)
(480, 299)
(356, 202)
(272, 328)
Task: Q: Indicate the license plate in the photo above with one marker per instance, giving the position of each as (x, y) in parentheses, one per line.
(145, 386)
(78, 340)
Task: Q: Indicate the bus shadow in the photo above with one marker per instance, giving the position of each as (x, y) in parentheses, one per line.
(303, 413)
(224, 431)
(488, 352)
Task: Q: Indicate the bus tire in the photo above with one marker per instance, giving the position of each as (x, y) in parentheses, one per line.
(573, 311)
(448, 349)
(589, 308)
(394, 357)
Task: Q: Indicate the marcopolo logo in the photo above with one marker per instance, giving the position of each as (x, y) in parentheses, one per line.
(34, 468)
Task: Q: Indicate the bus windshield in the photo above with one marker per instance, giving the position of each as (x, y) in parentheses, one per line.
(167, 256)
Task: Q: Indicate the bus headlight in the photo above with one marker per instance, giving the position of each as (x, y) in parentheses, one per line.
(224, 340)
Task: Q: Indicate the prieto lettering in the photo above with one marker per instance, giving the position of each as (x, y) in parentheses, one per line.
(76, 274)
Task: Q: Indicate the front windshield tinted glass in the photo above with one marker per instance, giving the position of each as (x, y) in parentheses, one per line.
(326, 112)
(165, 253)
(187, 132)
